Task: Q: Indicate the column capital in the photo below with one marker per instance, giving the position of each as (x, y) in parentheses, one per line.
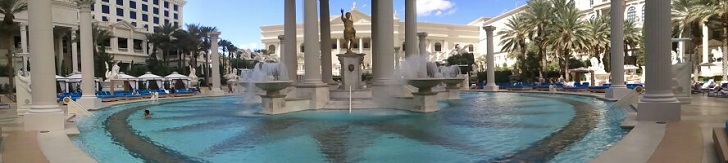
(85, 4)
(214, 34)
(422, 34)
(281, 37)
(489, 28)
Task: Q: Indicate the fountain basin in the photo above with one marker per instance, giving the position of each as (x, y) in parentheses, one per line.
(452, 82)
(424, 85)
(273, 88)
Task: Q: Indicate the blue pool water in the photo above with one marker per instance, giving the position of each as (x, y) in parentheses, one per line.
(483, 127)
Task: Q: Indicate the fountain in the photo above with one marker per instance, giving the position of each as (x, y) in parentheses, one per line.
(271, 77)
(424, 100)
(452, 79)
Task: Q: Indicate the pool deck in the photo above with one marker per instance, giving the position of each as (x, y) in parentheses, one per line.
(686, 141)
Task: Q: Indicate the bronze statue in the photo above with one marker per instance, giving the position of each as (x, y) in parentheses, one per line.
(349, 31)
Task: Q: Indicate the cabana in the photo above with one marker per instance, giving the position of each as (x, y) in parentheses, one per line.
(151, 81)
(177, 80)
(74, 82)
(130, 82)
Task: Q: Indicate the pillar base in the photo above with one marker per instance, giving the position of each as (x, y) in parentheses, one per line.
(658, 111)
(318, 93)
(684, 99)
(385, 94)
(491, 88)
(90, 103)
(616, 92)
(424, 102)
(216, 92)
(45, 118)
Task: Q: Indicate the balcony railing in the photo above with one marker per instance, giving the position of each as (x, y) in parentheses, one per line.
(123, 50)
(138, 51)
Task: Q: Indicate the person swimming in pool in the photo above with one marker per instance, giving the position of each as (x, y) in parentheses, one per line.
(147, 114)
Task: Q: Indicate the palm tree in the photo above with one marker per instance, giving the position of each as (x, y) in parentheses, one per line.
(224, 44)
(632, 36)
(538, 13)
(717, 11)
(8, 27)
(687, 16)
(98, 37)
(567, 32)
(204, 31)
(513, 39)
(195, 33)
(162, 38)
(597, 38)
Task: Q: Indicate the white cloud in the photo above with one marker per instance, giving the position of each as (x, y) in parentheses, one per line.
(436, 7)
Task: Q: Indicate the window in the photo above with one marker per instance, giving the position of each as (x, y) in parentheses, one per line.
(175, 7)
(591, 2)
(145, 17)
(104, 9)
(272, 49)
(119, 12)
(146, 27)
(471, 48)
(166, 4)
(166, 21)
(120, 2)
(302, 50)
(155, 10)
(175, 16)
(333, 46)
(632, 14)
(145, 7)
(92, 8)
(156, 2)
(132, 4)
(132, 14)
(104, 18)
(166, 13)
(438, 47)
(156, 20)
(176, 24)
(133, 24)
(105, 0)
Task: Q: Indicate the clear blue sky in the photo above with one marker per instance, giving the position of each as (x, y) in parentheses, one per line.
(240, 20)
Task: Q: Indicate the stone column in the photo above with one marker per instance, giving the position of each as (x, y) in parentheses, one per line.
(385, 42)
(361, 45)
(44, 113)
(659, 102)
(215, 65)
(490, 77)
(312, 86)
(59, 54)
(383, 56)
(290, 43)
(410, 29)
(617, 90)
(338, 46)
(24, 37)
(114, 44)
(88, 85)
(144, 48)
(422, 43)
(74, 51)
(130, 44)
(706, 51)
(281, 42)
(326, 64)
(375, 54)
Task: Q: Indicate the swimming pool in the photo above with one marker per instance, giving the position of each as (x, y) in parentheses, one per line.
(483, 127)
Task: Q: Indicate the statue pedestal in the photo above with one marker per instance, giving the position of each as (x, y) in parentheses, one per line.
(351, 70)
(23, 96)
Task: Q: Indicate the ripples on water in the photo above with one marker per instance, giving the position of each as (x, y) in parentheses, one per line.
(482, 127)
